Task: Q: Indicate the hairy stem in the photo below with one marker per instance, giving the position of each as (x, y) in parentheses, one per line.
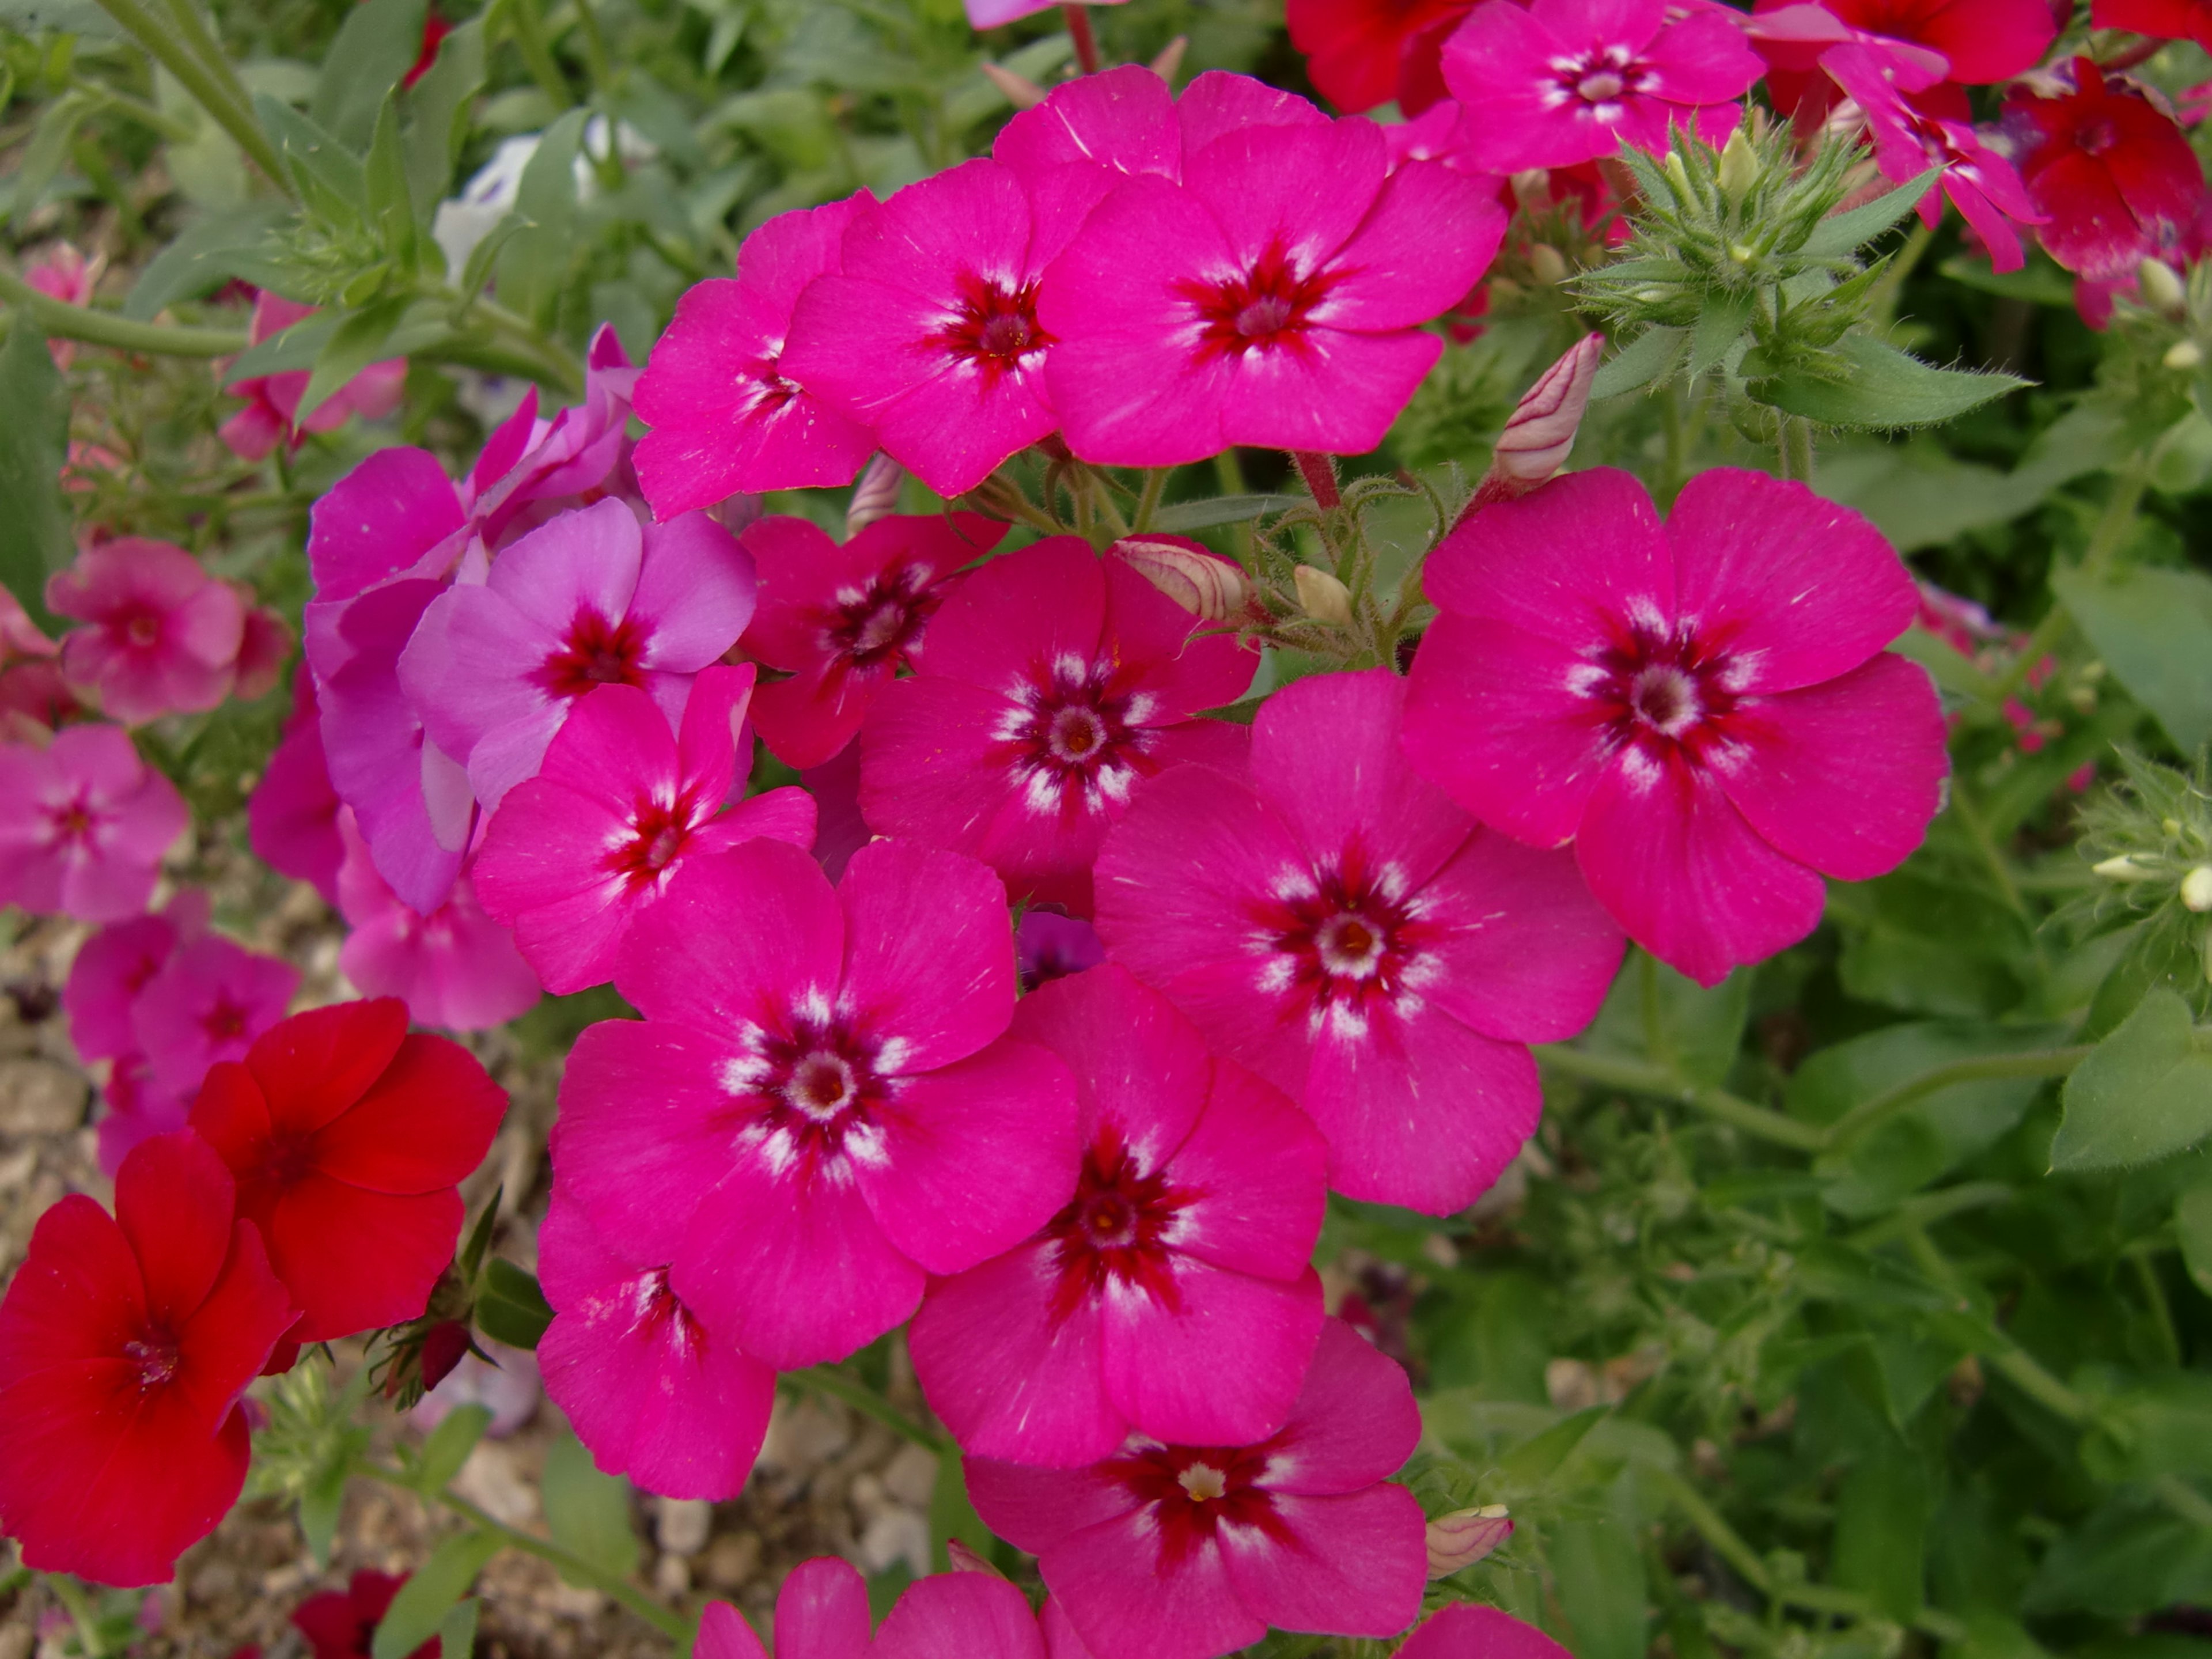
(1639, 1078)
(61, 320)
(2036, 1063)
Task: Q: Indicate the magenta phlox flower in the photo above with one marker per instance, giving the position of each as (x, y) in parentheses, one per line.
(653, 1390)
(1275, 296)
(1092, 131)
(1706, 709)
(136, 1111)
(454, 967)
(206, 1003)
(83, 824)
(292, 815)
(1337, 924)
(1048, 946)
(113, 966)
(1467, 1630)
(989, 14)
(1560, 81)
(824, 1085)
(724, 417)
(822, 1613)
(534, 467)
(1173, 1295)
(587, 599)
(840, 830)
(843, 619)
(1055, 684)
(575, 854)
(163, 635)
(1178, 1552)
(272, 401)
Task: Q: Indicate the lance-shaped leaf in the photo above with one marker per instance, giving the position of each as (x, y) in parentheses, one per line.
(1881, 389)
(34, 519)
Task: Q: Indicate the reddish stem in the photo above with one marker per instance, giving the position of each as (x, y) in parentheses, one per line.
(1079, 30)
(1320, 477)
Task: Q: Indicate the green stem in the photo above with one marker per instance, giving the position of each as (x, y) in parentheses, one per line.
(179, 132)
(595, 61)
(1978, 831)
(1156, 483)
(2036, 1063)
(826, 1379)
(2184, 1500)
(70, 1595)
(169, 42)
(1639, 1078)
(59, 319)
(2162, 1314)
(1926, 1209)
(1797, 449)
(668, 1622)
(536, 55)
(2118, 516)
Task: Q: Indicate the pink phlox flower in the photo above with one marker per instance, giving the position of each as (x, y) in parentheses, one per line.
(292, 815)
(19, 634)
(162, 636)
(1568, 81)
(1980, 182)
(575, 854)
(60, 272)
(1274, 296)
(1089, 135)
(1055, 684)
(454, 967)
(725, 416)
(585, 600)
(1173, 1295)
(1467, 1630)
(136, 1111)
(822, 1613)
(83, 824)
(1048, 946)
(533, 467)
(928, 334)
(653, 1390)
(1338, 925)
(113, 966)
(264, 648)
(1705, 710)
(989, 14)
(272, 401)
(1439, 134)
(206, 1003)
(843, 619)
(823, 1087)
(840, 830)
(1179, 1552)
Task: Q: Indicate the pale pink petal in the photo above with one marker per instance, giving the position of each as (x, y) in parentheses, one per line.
(587, 558)
(695, 592)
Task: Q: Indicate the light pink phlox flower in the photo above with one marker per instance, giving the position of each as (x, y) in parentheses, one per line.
(843, 619)
(724, 417)
(653, 1390)
(1340, 925)
(60, 272)
(83, 824)
(575, 854)
(206, 1003)
(1980, 182)
(163, 635)
(1565, 81)
(586, 599)
(1465, 1630)
(454, 967)
(1055, 684)
(1178, 1552)
(272, 401)
(1173, 1297)
(822, 1084)
(113, 966)
(1706, 709)
(822, 1613)
(1274, 297)
(19, 634)
(292, 815)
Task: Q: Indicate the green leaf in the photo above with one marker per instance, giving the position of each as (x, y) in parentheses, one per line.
(587, 1512)
(62, 17)
(510, 1308)
(1655, 1013)
(1881, 1526)
(1651, 355)
(457, 1631)
(2130, 1557)
(1885, 390)
(327, 173)
(2153, 627)
(427, 1596)
(42, 159)
(2192, 1224)
(376, 46)
(35, 540)
(2144, 1092)
(209, 252)
(2040, 281)
(1845, 233)
(296, 346)
(391, 208)
(1599, 1567)
(438, 114)
(320, 1504)
(1532, 1462)
(361, 339)
(953, 1514)
(470, 1260)
(1219, 509)
(534, 264)
(1727, 314)
(449, 1445)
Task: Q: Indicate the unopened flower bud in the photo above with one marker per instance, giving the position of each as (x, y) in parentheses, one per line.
(2161, 287)
(1541, 429)
(1464, 1537)
(876, 495)
(1018, 90)
(2196, 889)
(2184, 354)
(1323, 597)
(1677, 175)
(2121, 867)
(1169, 58)
(964, 1559)
(1739, 164)
(1548, 265)
(1200, 582)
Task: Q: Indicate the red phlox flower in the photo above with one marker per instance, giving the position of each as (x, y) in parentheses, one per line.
(2115, 176)
(843, 619)
(1179, 1552)
(2162, 20)
(454, 967)
(292, 815)
(1335, 923)
(725, 418)
(272, 401)
(206, 1003)
(164, 635)
(342, 1624)
(1706, 710)
(1933, 47)
(125, 1343)
(1055, 682)
(1174, 1296)
(822, 1613)
(1569, 81)
(1360, 53)
(507, 1384)
(348, 1137)
(822, 1088)
(83, 824)
(575, 854)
